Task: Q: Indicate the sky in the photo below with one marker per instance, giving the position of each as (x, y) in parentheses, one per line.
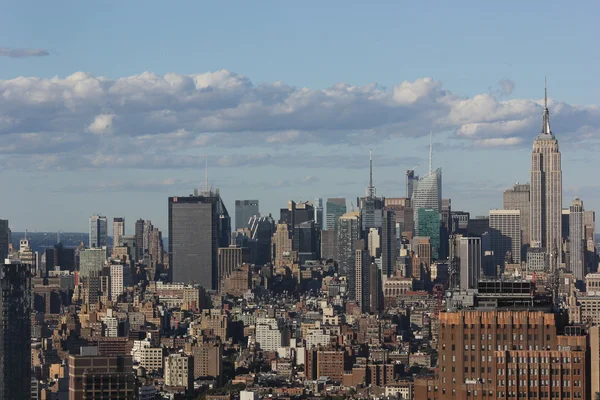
(109, 107)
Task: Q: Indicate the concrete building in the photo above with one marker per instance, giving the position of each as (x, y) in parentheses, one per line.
(198, 226)
(595, 361)
(92, 376)
(576, 239)
(244, 210)
(179, 371)
(230, 258)
(282, 243)
(118, 231)
(505, 234)
(546, 189)
(517, 198)
(119, 279)
(269, 335)
(15, 330)
(362, 260)
(91, 261)
(208, 360)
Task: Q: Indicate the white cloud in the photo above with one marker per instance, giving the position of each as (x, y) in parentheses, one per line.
(22, 53)
(153, 121)
(102, 125)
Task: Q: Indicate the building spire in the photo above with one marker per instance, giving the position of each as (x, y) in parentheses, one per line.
(371, 188)
(546, 114)
(430, 151)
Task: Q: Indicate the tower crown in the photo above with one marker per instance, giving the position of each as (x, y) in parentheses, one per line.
(546, 132)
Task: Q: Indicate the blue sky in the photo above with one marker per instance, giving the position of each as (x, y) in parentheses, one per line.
(286, 100)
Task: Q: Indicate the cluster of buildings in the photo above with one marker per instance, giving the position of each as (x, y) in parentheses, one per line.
(402, 297)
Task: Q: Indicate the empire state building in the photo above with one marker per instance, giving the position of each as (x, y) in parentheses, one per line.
(546, 188)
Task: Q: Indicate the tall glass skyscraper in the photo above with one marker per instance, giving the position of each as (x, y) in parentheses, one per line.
(427, 193)
(198, 226)
(349, 231)
(576, 234)
(98, 231)
(429, 225)
(244, 210)
(336, 207)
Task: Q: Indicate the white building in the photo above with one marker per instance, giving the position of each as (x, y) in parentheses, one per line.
(179, 371)
(268, 334)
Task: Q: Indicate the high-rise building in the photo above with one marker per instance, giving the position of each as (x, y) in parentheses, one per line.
(198, 226)
(517, 198)
(91, 261)
(576, 236)
(469, 249)
(427, 191)
(445, 229)
(93, 376)
(59, 256)
(429, 226)
(546, 189)
(4, 239)
(328, 244)
(139, 239)
(179, 371)
(388, 242)
(589, 226)
(411, 178)
(505, 235)
(119, 279)
(261, 230)
(118, 231)
(15, 331)
(306, 241)
(371, 206)
(319, 222)
(349, 231)
(230, 258)
(336, 207)
(362, 260)
(244, 210)
(98, 231)
(282, 243)
(296, 213)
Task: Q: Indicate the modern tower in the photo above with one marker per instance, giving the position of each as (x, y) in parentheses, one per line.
(388, 242)
(244, 210)
(349, 231)
(139, 239)
(427, 191)
(98, 231)
(469, 252)
(319, 222)
(576, 235)
(4, 239)
(505, 235)
(517, 198)
(118, 231)
(336, 207)
(15, 331)
(198, 226)
(546, 188)
(371, 206)
(429, 226)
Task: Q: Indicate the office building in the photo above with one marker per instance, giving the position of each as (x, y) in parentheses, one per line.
(411, 178)
(328, 244)
(319, 222)
(362, 261)
(98, 232)
(120, 278)
(139, 239)
(388, 243)
(370, 206)
(93, 376)
(349, 231)
(261, 232)
(517, 198)
(429, 226)
(336, 207)
(546, 189)
(198, 226)
(60, 258)
(208, 360)
(244, 210)
(269, 334)
(477, 226)
(589, 226)
(306, 241)
(445, 229)
(403, 214)
(15, 331)
(231, 258)
(505, 234)
(118, 231)
(179, 371)
(296, 213)
(91, 261)
(282, 243)
(595, 361)
(5, 238)
(576, 237)
(469, 252)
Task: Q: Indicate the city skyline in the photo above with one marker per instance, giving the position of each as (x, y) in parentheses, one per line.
(81, 127)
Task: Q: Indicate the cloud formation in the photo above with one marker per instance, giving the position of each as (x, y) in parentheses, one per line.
(152, 121)
(22, 53)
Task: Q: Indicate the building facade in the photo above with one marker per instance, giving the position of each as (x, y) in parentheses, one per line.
(118, 231)
(244, 210)
(335, 208)
(517, 198)
(98, 231)
(505, 234)
(576, 239)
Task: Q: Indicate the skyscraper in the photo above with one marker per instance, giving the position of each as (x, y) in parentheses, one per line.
(244, 210)
(469, 249)
(505, 235)
(15, 331)
(336, 207)
(118, 231)
(349, 231)
(198, 226)
(517, 198)
(91, 261)
(319, 214)
(388, 242)
(98, 231)
(546, 188)
(4, 239)
(576, 235)
(371, 206)
(429, 225)
(139, 238)
(427, 191)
